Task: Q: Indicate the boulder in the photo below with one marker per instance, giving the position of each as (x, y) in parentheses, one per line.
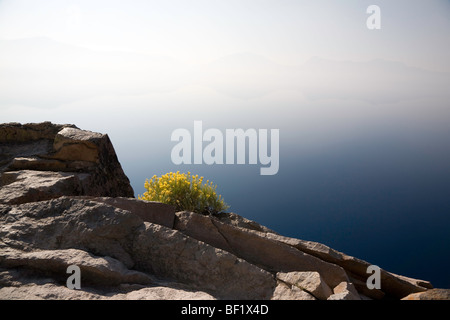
(344, 291)
(44, 161)
(310, 282)
(285, 291)
(72, 144)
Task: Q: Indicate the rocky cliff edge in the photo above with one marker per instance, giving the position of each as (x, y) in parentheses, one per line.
(65, 200)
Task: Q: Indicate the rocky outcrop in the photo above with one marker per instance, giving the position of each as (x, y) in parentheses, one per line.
(57, 210)
(117, 243)
(45, 161)
(282, 254)
(255, 247)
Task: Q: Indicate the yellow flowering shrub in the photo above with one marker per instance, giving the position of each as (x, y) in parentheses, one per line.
(185, 192)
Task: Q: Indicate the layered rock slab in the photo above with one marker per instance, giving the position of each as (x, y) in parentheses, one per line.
(169, 253)
(283, 254)
(44, 161)
(254, 247)
(98, 270)
(395, 286)
(33, 233)
(310, 282)
(20, 284)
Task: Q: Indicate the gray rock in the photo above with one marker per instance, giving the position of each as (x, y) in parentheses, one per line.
(42, 236)
(46, 291)
(43, 161)
(236, 220)
(284, 291)
(169, 253)
(28, 185)
(66, 223)
(311, 282)
(433, 294)
(71, 144)
(277, 253)
(95, 270)
(344, 291)
(162, 292)
(255, 247)
(19, 285)
(149, 211)
(393, 285)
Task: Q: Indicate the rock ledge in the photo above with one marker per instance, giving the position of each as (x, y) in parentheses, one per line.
(65, 200)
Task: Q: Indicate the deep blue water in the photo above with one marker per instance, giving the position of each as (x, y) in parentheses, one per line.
(382, 199)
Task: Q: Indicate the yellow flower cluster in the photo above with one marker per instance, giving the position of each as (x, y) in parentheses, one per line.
(185, 192)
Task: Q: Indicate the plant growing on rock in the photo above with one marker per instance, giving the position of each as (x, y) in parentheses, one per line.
(185, 192)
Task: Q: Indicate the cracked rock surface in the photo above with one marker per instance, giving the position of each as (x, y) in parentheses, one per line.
(64, 200)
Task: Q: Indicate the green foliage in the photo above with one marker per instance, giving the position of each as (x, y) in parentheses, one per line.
(185, 192)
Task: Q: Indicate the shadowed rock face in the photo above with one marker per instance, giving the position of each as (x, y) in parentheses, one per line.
(44, 161)
(64, 200)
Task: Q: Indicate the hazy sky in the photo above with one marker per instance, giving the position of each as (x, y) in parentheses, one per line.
(310, 67)
(285, 31)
